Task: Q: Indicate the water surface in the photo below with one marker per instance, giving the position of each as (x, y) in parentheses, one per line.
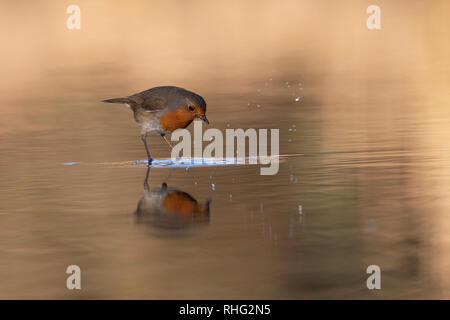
(367, 111)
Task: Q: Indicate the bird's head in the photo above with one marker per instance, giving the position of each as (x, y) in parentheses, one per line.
(189, 107)
(195, 105)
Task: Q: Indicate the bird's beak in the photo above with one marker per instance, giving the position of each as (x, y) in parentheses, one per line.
(204, 119)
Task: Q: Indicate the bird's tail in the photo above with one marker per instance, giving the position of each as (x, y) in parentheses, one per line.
(117, 100)
(206, 207)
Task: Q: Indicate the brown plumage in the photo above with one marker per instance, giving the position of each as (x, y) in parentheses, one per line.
(170, 208)
(162, 110)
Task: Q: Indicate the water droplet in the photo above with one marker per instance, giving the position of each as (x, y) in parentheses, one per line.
(291, 177)
(270, 79)
(258, 106)
(290, 129)
(300, 210)
(195, 182)
(228, 125)
(213, 186)
(297, 99)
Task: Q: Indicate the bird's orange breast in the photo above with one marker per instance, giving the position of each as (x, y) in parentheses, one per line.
(172, 120)
(180, 204)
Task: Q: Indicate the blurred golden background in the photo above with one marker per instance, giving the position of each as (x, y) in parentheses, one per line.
(372, 121)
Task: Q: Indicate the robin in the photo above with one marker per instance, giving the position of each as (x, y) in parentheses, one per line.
(162, 110)
(170, 208)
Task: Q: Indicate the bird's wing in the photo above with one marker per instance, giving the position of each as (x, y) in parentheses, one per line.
(150, 100)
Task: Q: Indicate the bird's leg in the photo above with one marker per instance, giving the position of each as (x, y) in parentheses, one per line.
(146, 186)
(168, 142)
(144, 140)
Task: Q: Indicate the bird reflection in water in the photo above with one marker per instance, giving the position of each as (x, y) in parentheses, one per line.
(167, 207)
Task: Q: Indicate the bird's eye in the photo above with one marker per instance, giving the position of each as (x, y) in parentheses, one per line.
(191, 108)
